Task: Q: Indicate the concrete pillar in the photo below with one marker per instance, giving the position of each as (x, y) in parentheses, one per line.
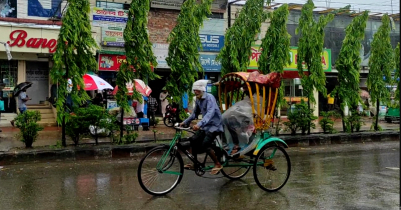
(21, 72)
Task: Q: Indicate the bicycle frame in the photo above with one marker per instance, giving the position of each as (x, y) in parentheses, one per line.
(174, 145)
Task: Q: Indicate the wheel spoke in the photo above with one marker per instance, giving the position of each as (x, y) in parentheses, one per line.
(157, 182)
(272, 173)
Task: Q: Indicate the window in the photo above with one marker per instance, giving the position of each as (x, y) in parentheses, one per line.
(216, 15)
(9, 72)
(111, 5)
(293, 88)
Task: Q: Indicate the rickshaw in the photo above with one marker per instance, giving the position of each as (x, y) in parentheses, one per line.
(162, 168)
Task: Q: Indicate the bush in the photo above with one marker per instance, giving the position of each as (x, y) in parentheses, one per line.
(300, 118)
(353, 122)
(155, 122)
(327, 123)
(80, 121)
(128, 138)
(29, 128)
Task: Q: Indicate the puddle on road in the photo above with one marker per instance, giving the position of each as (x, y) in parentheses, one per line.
(393, 168)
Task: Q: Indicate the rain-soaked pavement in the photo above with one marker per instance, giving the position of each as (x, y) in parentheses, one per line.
(354, 176)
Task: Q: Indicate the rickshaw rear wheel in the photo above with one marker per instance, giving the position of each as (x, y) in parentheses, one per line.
(272, 168)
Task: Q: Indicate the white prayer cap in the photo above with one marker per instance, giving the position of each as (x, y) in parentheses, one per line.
(200, 85)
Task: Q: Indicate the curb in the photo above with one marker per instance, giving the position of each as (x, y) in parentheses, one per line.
(139, 149)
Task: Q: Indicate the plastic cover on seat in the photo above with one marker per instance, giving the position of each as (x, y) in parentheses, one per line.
(238, 123)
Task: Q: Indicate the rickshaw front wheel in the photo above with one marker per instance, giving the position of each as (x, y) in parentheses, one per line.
(160, 171)
(272, 168)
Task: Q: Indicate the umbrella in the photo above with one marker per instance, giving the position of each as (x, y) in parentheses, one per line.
(93, 82)
(364, 94)
(21, 86)
(140, 86)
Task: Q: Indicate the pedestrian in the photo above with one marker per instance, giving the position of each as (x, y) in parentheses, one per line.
(22, 99)
(185, 102)
(163, 100)
(98, 100)
(139, 108)
(152, 102)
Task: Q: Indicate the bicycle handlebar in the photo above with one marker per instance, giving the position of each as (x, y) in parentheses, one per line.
(189, 129)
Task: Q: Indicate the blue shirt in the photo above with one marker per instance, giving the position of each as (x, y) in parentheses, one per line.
(212, 119)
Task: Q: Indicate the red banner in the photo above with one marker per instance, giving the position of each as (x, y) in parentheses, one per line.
(110, 62)
(113, 62)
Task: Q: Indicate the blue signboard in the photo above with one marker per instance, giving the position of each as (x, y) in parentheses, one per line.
(47, 8)
(209, 63)
(211, 43)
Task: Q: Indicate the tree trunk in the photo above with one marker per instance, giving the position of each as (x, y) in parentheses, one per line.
(377, 115)
(308, 113)
(96, 136)
(63, 139)
(122, 124)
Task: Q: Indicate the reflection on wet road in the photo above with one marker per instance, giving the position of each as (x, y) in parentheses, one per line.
(346, 179)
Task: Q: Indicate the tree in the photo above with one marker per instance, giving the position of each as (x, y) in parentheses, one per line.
(381, 63)
(310, 49)
(73, 58)
(276, 47)
(397, 71)
(234, 56)
(183, 55)
(348, 64)
(138, 50)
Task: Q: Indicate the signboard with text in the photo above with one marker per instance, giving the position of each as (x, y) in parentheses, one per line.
(209, 63)
(113, 36)
(109, 17)
(161, 52)
(110, 62)
(256, 52)
(211, 43)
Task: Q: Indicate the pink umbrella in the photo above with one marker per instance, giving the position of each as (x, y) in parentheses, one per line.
(140, 86)
(93, 82)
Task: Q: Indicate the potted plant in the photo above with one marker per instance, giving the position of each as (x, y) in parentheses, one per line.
(27, 122)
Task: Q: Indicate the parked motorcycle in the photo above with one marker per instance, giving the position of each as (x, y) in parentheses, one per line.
(172, 116)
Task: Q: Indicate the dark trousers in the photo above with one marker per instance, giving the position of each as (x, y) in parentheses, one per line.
(152, 116)
(139, 115)
(202, 142)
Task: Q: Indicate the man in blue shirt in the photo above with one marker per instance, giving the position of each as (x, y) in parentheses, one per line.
(208, 128)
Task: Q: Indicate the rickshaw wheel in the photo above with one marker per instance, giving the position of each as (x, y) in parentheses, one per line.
(236, 172)
(160, 182)
(272, 168)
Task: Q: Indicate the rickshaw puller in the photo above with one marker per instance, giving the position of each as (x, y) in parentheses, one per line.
(208, 128)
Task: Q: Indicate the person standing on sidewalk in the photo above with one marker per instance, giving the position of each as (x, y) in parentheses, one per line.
(139, 107)
(22, 99)
(163, 100)
(152, 102)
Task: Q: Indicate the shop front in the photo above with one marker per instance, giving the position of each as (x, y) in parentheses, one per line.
(109, 62)
(31, 50)
(293, 91)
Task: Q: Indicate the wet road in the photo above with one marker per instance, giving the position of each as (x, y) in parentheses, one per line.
(332, 177)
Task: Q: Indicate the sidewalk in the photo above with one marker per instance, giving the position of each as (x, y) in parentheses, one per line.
(50, 135)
